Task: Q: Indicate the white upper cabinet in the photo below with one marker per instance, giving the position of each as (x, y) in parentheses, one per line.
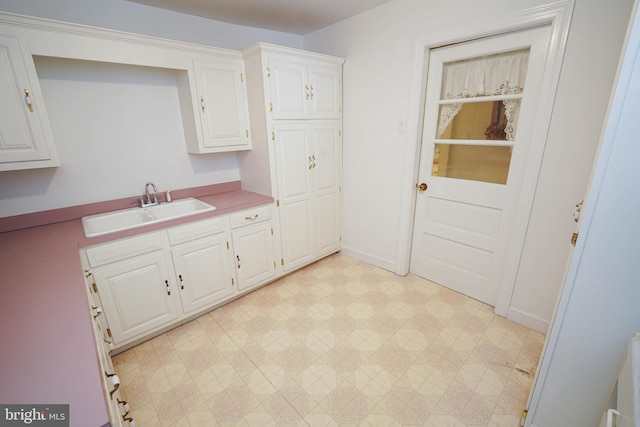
(300, 90)
(220, 106)
(26, 139)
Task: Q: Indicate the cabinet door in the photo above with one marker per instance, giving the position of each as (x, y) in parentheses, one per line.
(253, 248)
(290, 90)
(294, 163)
(26, 140)
(326, 180)
(325, 92)
(222, 106)
(137, 295)
(203, 272)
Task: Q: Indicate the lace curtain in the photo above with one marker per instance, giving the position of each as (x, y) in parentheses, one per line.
(502, 74)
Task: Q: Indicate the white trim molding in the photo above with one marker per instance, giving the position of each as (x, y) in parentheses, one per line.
(558, 16)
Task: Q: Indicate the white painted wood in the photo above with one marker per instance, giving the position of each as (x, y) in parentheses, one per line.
(249, 217)
(309, 176)
(26, 139)
(463, 228)
(300, 90)
(309, 215)
(254, 256)
(195, 230)
(120, 250)
(220, 104)
(203, 272)
(326, 140)
(138, 295)
(597, 313)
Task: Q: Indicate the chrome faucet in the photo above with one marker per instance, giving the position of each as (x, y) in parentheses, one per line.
(145, 199)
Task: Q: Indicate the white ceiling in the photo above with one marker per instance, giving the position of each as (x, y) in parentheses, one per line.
(291, 16)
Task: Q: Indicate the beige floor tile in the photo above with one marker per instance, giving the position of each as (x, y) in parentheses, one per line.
(339, 343)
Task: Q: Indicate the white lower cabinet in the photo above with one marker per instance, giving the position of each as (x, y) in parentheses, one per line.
(252, 236)
(152, 281)
(137, 296)
(204, 272)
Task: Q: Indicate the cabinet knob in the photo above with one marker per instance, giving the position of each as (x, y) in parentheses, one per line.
(422, 186)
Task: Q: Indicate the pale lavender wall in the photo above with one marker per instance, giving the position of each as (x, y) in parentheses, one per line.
(117, 127)
(378, 47)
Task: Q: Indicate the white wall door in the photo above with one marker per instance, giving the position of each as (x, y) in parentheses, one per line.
(203, 272)
(465, 214)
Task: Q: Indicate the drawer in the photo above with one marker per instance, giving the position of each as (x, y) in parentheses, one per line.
(195, 230)
(124, 249)
(250, 216)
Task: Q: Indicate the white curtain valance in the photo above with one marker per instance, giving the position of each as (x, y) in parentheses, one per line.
(500, 74)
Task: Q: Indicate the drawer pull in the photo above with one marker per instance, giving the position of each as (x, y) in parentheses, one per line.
(251, 218)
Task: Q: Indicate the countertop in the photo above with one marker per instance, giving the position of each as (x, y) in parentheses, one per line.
(48, 354)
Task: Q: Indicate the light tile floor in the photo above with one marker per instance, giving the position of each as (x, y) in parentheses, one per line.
(338, 343)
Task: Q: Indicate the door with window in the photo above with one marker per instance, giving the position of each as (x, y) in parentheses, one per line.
(480, 108)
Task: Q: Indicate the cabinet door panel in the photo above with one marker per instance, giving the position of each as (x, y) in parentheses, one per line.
(24, 132)
(135, 296)
(293, 161)
(325, 92)
(289, 89)
(297, 237)
(203, 272)
(222, 104)
(328, 226)
(326, 154)
(255, 263)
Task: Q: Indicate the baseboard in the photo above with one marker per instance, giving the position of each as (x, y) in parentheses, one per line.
(369, 259)
(528, 320)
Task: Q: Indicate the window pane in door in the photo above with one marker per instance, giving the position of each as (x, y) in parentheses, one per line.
(486, 163)
(475, 120)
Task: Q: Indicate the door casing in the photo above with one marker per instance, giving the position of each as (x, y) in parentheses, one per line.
(558, 16)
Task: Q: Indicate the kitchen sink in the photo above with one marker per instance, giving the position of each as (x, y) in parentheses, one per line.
(126, 219)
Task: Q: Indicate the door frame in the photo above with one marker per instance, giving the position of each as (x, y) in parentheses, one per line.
(558, 16)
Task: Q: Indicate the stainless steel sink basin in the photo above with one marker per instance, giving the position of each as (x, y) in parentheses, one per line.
(126, 219)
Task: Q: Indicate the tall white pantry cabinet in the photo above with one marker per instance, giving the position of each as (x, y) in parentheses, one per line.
(295, 100)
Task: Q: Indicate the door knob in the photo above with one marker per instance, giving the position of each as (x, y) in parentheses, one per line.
(422, 186)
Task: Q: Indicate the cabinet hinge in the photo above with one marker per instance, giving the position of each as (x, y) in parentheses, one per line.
(273, 136)
(574, 238)
(523, 417)
(227, 245)
(95, 287)
(109, 333)
(268, 72)
(247, 131)
(233, 283)
(339, 132)
(270, 107)
(272, 231)
(274, 265)
(282, 262)
(241, 77)
(277, 203)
